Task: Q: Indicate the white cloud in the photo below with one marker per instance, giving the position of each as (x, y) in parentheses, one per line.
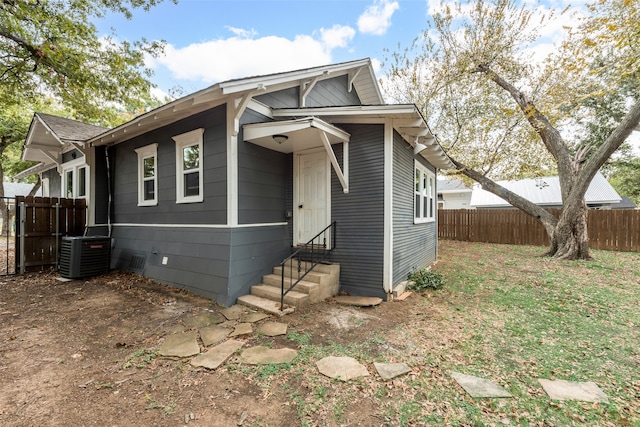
(224, 59)
(376, 19)
(242, 33)
(337, 36)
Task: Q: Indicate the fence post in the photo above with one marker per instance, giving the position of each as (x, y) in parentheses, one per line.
(23, 220)
(57, 233)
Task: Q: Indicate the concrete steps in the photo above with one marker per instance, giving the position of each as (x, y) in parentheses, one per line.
(320, 283)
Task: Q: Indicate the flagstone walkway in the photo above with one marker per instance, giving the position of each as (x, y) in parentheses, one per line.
(221, 335)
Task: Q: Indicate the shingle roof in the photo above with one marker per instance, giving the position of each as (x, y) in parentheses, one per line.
(71, 130)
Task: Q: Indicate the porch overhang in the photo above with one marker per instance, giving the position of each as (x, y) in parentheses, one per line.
(289, 136)
(406, 118)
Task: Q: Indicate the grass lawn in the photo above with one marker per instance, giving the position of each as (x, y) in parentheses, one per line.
(504, 314)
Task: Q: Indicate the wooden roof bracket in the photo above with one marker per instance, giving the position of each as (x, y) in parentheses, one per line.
(343, 175)
(352, 76)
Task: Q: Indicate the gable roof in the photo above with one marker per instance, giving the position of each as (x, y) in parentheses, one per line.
(360, 74)
(545, 192)
(49, 134)
(13, 189)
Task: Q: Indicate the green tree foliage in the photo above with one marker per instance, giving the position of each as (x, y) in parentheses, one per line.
(500, 114)
(624, 176)
(51, 47)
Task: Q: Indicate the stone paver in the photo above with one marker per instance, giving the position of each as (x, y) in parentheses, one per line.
(253, 317)
(341, 368)
(234, 312)
(273, 329)
(261, 355)
(388, 371)
(479, 387)
(184, 344)
(568, 390)
(217, 355)
(213, 334)
(202, 319)
(358, 301)
(242, 329)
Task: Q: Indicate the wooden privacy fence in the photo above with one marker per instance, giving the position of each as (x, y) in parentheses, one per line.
(41, 222)
(615, 229)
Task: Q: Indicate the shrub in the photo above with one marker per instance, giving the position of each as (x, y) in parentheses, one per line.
(425, 279)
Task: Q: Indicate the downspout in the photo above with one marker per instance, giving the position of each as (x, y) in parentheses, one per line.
(109, 198)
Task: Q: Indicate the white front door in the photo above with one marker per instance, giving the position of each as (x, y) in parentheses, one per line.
(312, 204)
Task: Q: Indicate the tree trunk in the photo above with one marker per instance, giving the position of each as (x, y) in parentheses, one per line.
(570, 239)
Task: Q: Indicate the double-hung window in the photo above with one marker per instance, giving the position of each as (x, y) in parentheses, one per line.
(75, 177)
(148, 175)
(424, 194)
(189, 166)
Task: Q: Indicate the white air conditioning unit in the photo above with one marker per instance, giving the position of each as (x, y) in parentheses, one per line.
(84, 256)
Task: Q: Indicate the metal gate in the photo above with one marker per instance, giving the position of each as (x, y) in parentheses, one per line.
(39, 224)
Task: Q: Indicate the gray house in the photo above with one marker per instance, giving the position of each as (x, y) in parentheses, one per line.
(211, 191)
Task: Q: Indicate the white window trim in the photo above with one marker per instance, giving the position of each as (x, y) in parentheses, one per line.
(75, 166)
(431, 187)
(187, 139)
(145, 152)
(45, 187)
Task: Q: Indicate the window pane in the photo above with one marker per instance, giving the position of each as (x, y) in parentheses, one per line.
(191, 184)
(191, 157)
(70, 185)
(149, 189)
(417, 181)
(417, 206)
(82, 181)
(149, 167)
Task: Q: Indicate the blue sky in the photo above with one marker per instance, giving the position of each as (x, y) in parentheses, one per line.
(215, 40)
(209, 41)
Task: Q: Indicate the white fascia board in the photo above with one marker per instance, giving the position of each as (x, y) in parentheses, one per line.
(374, 111)
(289, 77)
(259, 130)
(161, 116)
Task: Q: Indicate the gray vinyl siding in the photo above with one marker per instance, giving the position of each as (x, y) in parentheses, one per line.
(101, 185)
(221, 264)
(326, 93)
(288, 98)
(55, 182)
(414, 245)
(359, 215)
(213, 209)
(71, 155)
(332, 92)
(262, 175)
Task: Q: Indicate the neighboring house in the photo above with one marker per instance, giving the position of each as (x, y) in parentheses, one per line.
(453, 194)
(14, 189)
(625, 203)
(11, 191)
(211, 191)
(545, 192)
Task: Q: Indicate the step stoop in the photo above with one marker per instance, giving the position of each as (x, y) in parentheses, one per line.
(264, 304)
(319, 284)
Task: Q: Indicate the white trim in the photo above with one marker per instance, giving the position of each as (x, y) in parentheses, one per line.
(184, 140)
(74, 166)
(296, 187)
(220, 226)
(232, 170)
(431, 193)
(387, 265)
(148, 151)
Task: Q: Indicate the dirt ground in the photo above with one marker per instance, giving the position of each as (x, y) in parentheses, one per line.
(76, 353)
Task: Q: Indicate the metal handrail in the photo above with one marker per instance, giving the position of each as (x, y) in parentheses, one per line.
(312, 252)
